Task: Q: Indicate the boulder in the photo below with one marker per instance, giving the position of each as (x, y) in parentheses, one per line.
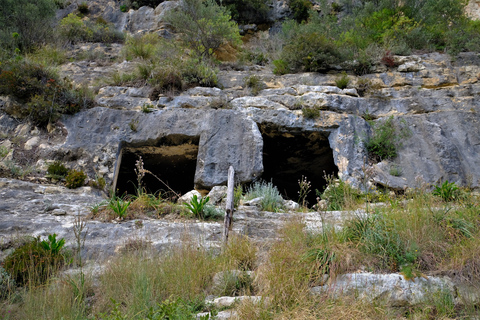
(187, 197)
(392, 289)
(217, 194)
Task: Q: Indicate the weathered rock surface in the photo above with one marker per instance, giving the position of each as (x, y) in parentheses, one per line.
(392, 289)
(39, 210)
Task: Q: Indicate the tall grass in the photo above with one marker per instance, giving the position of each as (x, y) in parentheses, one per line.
(137, 282)
(419, 236)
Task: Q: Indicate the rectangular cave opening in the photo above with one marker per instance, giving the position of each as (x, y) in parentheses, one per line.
(172, 161)
(289, 155)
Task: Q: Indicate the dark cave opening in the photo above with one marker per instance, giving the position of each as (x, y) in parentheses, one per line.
(173, 160)
(289, 155)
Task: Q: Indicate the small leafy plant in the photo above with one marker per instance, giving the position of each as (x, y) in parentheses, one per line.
(52, 245)
(448, 191)
(75, 179)
(197, 206)
(119, 206)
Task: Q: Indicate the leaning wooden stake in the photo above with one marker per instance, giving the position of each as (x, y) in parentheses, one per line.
(229, 206)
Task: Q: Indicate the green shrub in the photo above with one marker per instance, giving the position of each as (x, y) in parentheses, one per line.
(75, 179)
(35, 261)
(75, 29)
(310, 51)
(385, 139)
(30, 21)
(395, 171)
(300, 9)
(43, 95)
(197, 72)
(247, 11)
(280, 67)
(343, 81)
(143, 47)
(271, 198)
(204, 26)
(57, 170)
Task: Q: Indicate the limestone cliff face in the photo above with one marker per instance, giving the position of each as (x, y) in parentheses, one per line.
(437, 100)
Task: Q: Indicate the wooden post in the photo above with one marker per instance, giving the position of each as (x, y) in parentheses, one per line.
(229, 206)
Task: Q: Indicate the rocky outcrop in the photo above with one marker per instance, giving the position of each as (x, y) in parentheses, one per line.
(391, 289)
(39, 210)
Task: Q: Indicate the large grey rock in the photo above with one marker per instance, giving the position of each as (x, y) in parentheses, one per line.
(31, 209)
(225, 139)
(225, 302)
(392, 289)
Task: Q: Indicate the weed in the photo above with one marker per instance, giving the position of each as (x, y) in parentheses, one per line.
(7, 283)
(75, 179)
(99, 182)
(338, 194)
(79, 225)
(4, 151)
(147, 108)
(119, 206)
(133, 124)
(304, 186)
(386, 139)
(254, 83)
(271, 198)
(395, 171)
(310, 113)
(447, 191)
(343, 81)
(234, 283)
(197, 206)
(213, 213)
(237, 195)
(57, 170)
(280, 67)
(240, 253)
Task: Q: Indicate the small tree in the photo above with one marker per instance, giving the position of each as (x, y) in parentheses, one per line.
(204, 25)
(24, 23)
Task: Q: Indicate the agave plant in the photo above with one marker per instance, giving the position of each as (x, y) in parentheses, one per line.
(196, 206)
(52, 245)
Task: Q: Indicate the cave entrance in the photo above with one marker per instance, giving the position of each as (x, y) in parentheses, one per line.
(173, 160)
(287, 156)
